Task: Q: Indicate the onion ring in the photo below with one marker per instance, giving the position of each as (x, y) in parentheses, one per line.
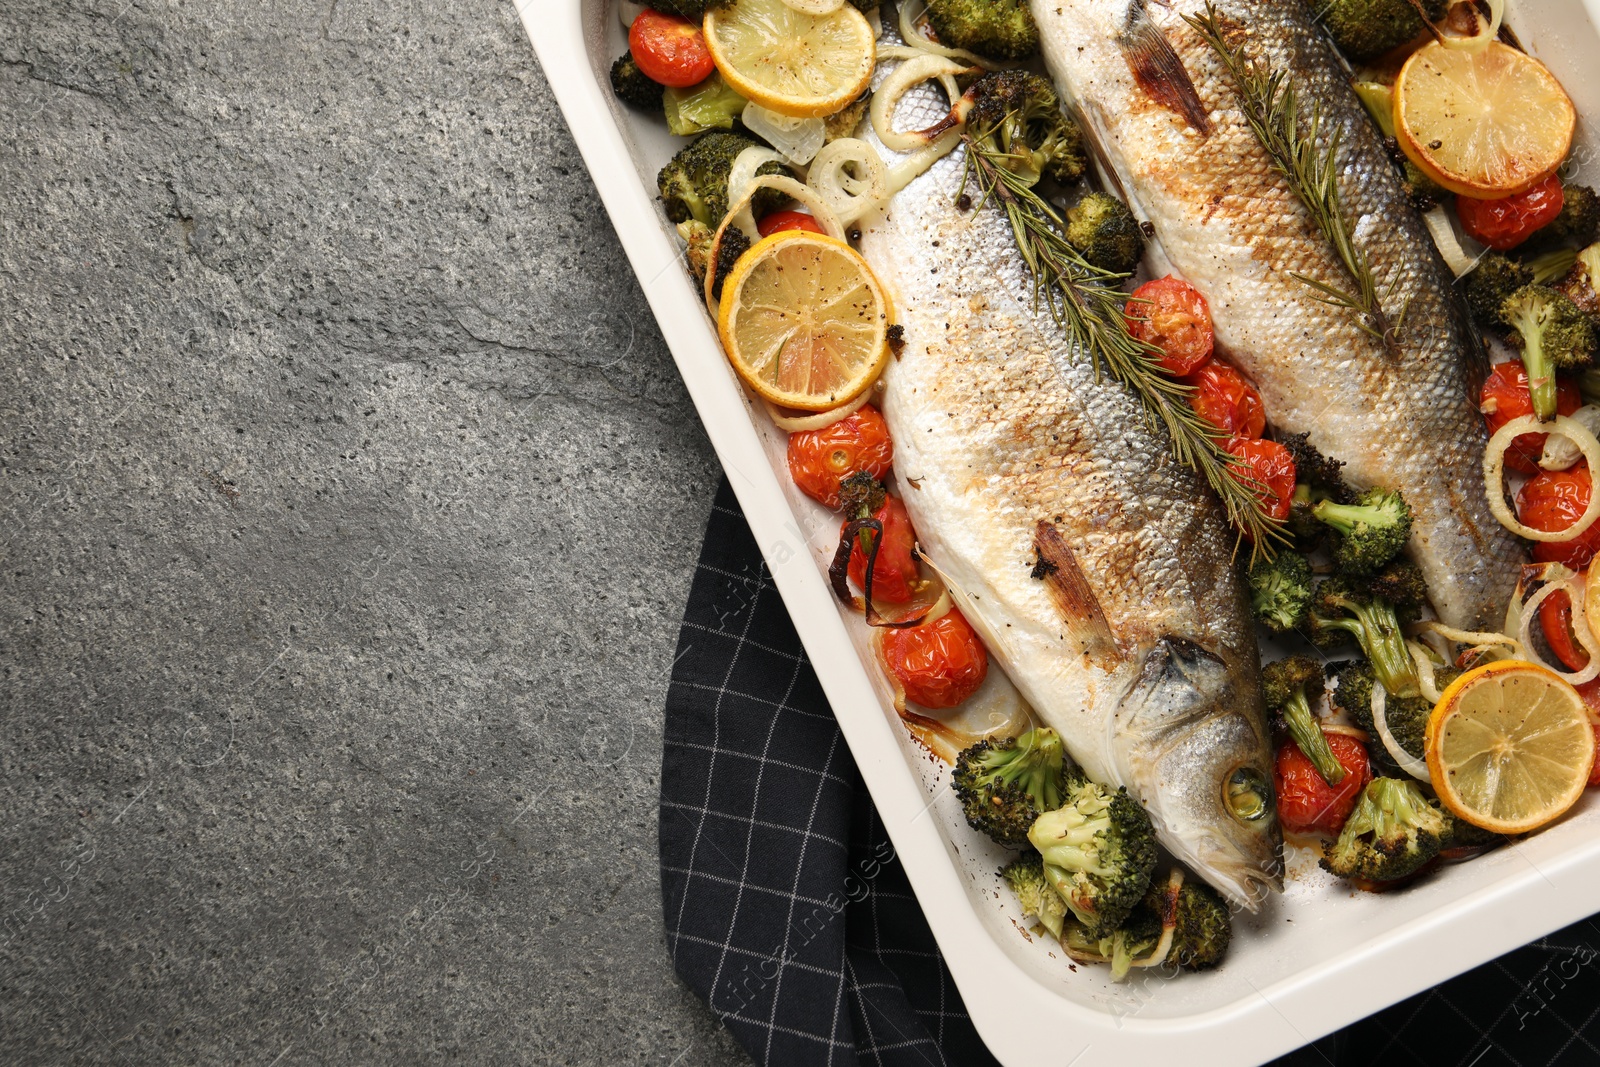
(910, 11)
(1406, 761)
(1557, 583)
(1479, 40)
(745, 165)
(901, 80)
(1424, 662)
(851, 196)
(821, 420)
(1448, 244)
(1494, 458)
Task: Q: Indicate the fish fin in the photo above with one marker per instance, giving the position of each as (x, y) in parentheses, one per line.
(1158, 70)
(1058, 569)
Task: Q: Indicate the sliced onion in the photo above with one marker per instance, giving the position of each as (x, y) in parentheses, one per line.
(743, 170)
(1418, 769)
(1424, 662)
(1494, 458)
(1443, 232)
(815, 7)
(1572, 585)
(740, 215)
(1169, 922)
(901, 80)
(1480, 40)
(820, 421)
(913, 165)
(627, 11)
(1559, 450)
(852, 196)
(910, 12)
(1349, 731)
(797, 139)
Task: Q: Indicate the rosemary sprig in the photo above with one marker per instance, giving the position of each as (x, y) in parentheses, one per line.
(1272, 108)
(1086, 302)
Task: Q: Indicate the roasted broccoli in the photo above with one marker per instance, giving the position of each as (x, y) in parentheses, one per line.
(710, 105)
(1005, 785)
(1202, 929)
(1582, 283)
(1344, 607)
(1280, 591)
(1314, 468)
(634, 86)
(734, 244)
(693, 10)
(1579, 220)
(1105, 233)
(1550, 267)
(1098, 849)
(1020, 114)
(1392, 832)
(1462, 839)
(1407, 717)
(1364, 29)
(694, 183)
(699, 238)
(1035, 895)
(1555, 336)
(998, 29)
(1495, 277)
(1287, 687)
(1372, 531)
(1400, 582)
(1130, 943)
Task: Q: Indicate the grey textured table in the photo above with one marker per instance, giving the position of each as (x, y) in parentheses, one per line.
(350, 501)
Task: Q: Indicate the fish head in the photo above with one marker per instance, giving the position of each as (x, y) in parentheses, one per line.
(1191, 744)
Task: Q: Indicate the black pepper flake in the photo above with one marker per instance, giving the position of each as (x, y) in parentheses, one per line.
(1148, 228)
(964, 202)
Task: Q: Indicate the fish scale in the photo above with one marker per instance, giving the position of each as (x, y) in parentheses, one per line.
(1404, 417)
(1138, 649)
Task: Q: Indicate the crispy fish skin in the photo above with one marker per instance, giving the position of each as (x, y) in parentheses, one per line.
(1404, 418)
(1132, 637)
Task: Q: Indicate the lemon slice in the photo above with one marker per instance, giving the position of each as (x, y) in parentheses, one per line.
(1484, 124)
(797, 64)
(804, 320)
(1510, 747)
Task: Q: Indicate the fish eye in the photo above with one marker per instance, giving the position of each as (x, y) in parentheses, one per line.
(1246, 795)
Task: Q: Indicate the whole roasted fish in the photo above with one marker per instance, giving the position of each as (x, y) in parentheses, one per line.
(1400, 412)
(1098, 571)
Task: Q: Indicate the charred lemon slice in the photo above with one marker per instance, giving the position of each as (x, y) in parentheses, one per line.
(1484, 124)
(786, 60)
(804, 321)
(1510, 747)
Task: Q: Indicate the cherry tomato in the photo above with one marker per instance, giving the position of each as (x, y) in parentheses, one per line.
(774, 221)
(939, 664)
(1271, 465)
(1554, 500)
(1555, 618)
(1505, 224)
(1505, 397)
(818, 459)
(669, 50)
(1306, 803)
(895, 569)
(1226, 399)
(1176, 320)
(1590, 692)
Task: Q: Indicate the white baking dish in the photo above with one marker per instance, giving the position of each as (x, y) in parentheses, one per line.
(1322, 955)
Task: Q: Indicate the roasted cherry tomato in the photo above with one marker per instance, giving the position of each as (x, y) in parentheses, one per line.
(1306, 803)
(818, 459)
(1554, 500)
(1505, 224)
(1272, 466)
(1505, 397)
(669, 50)
(895, 570)
(1224, 398)
(1555, 618)
(774, 221)
(1172, 315)
(939, 664)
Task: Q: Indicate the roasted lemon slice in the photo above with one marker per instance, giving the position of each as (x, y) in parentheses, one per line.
(1487, 124)
(804, 320)
(788, 61)
(1510, 747)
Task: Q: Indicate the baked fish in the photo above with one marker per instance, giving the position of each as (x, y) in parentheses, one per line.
(1099, 572)
(1162, 111)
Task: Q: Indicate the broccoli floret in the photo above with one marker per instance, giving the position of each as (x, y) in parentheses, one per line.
(1550, 267)
(1005, 785)
(1579, 220)
(1099, 849)
(1105, 233)
(1204, 927)
(1372, 531)
(1201, 931)
(1131, 942)
(1343, 607)
(1400, 582)
(844, 122)
(1020, 114)
(999, 29)
(693, 10)
(694, 183)
(1461, 838)
(734, 244)
(1582, 283)
(1555, 336)
(1495, 277)
(1309, 534)
(1286, 687)
(1391, 833)
(710, 105)
(1364, 29)
(1314, 468)
(1280, 591)
(1035, 895)
(1407, 717)
(634, 86)
(699, 238)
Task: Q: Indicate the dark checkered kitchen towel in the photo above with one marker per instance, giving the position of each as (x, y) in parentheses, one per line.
(787, 911)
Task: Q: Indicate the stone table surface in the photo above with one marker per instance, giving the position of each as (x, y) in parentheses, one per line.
(350, 502)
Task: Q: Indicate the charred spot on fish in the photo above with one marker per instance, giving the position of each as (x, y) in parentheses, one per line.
(896, 338)
(1158, 70)
(1042, 567)
(1246, 795)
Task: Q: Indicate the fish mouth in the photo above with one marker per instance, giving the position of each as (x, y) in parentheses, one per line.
(1191, 741)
